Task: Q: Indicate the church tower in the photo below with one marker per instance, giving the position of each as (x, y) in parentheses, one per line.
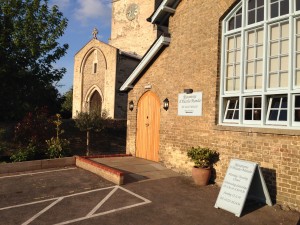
(130, 31)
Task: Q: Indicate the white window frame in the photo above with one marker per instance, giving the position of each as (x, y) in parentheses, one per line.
(265, 93)
(277, 122)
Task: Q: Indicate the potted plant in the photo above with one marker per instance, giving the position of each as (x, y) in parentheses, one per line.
(204, 159)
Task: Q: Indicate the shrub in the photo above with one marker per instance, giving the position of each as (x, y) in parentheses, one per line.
(31, 152)
(203, 157)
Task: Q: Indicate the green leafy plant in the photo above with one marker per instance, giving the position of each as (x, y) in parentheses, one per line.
(203, 157)
(57, 147)
(31, 152)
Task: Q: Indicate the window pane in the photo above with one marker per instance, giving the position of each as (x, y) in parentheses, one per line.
(284, 103)
(238, 56)
(298, 24)
(230, 43)
(284, 63)
(251, 4)
(230, 57)
(229, 114)
(229, 71)
(250, 68)
(297, 78)
(284, 7)
(274, 64)
(248, 103)
(283, 79)
(237, 84)
(251, 38)
(250, 82)
(232, 104)
(275, 103)
(298, 43)
(248, 114)
(274, 48)
(257, 115)
(238, 21)
(297, 115)
(229, 85)
(283, 115)
(297, 5)
(273, 115)
(285, 47)
(273, 83)
(231, 24)
(285, 30)
(297, 101)
(260, 14)
(250, 54)
(274, 32)
(257, 102)
(260, 36)
(236, 115)
(259, 67)
(251, 17)
(259, 52)
(274, 10)
(258, 82)
(237, 70)
(298, 61)
(238, 41)
(260, 3)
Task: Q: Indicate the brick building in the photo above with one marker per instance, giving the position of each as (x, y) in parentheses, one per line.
(242, 59)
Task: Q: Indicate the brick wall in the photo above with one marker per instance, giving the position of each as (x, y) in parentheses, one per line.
(192, 61)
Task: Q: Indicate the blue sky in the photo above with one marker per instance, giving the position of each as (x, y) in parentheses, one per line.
(83, 16)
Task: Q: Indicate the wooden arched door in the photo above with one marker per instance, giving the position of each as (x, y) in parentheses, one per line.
(95, 102)
(148, 123)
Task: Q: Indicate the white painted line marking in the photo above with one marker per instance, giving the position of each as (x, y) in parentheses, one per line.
(43, 211)
(91, 213)
(146, 201)
(102, 202)
(30, 174)
(136, 195)
(53, 199)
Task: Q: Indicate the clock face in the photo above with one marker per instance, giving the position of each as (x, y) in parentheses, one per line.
(132, 11)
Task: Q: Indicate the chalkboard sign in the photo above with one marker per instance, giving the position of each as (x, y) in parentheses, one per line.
(236, 185)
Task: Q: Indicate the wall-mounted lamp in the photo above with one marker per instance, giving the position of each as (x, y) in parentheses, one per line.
(188, 91)
(166, 104)
(131, 105)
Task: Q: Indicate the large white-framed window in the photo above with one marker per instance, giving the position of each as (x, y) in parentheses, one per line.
(260, 65)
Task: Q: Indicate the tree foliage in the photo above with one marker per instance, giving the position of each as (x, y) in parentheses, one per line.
(66, 107)
(29, 33)
(88, 122)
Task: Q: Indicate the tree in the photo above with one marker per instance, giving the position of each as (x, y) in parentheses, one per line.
(66, 107)
(90, 122)
(29, 31)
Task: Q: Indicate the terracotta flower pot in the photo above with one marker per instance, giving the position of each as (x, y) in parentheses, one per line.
(201, 176)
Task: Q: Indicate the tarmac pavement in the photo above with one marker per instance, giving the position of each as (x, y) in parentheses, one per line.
(75, 196)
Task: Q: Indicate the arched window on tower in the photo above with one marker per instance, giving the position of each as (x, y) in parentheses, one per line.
(95, 102)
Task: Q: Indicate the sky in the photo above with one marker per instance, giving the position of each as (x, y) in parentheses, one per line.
(83, 16)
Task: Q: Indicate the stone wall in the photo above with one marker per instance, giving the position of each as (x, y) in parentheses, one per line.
(192, 61)
(85, 81)
(136, 35)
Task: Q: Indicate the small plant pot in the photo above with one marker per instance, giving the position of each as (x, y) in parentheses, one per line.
(201, 176)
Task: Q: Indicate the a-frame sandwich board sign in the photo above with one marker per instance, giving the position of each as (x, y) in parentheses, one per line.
(243, 179)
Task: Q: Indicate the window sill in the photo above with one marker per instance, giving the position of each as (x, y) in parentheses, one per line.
(262, 130)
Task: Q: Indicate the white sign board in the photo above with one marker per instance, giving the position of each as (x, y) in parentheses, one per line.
(236, 186)
(190, 104)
